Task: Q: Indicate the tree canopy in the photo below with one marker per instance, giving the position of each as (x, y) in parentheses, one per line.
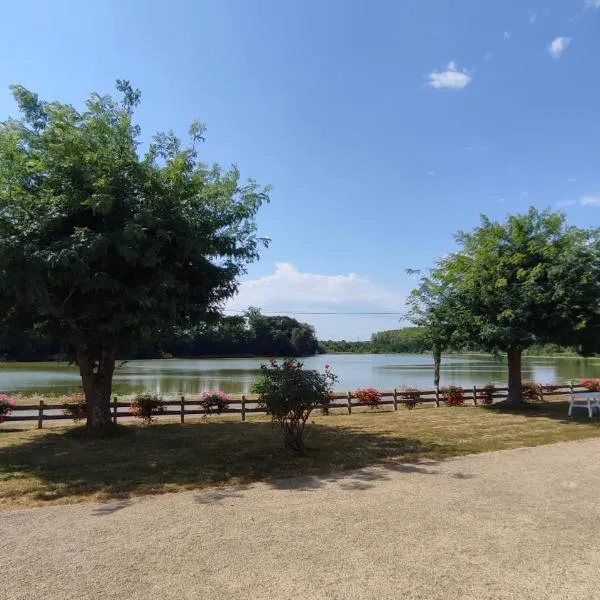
(101, 245)
(528, 281)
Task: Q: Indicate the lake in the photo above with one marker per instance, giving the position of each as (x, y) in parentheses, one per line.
(235, 375)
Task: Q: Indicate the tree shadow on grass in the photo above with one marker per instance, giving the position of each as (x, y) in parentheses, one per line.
(57, 465)
(557, 411)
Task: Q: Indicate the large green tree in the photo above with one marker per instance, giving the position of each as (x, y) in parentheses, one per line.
(530, 280)
(101, 245)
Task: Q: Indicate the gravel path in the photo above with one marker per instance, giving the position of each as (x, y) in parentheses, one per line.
(517, 524)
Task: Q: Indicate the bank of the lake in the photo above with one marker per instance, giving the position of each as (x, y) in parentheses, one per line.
(235, 375)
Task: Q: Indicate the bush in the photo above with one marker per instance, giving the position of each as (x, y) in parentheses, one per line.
(453, 396)
(213, 402)
(593, 385)
(486, 395)
(410, 396)
(7, 403)
(74, 406)
(289, 394)
(146, 406)
(369, 397)
(532, 392)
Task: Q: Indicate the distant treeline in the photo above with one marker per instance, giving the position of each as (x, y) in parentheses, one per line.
(251, 334)
(413, 340)
(406, 340)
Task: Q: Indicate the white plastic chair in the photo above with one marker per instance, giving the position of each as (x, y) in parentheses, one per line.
(589, 400)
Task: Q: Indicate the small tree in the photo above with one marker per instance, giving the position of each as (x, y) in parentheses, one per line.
(289, 393)
(101, 246)
(530, 280)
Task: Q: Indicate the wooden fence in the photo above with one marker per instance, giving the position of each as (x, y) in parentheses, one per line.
(248, 404)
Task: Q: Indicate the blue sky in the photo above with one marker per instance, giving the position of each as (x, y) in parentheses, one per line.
(382, 126)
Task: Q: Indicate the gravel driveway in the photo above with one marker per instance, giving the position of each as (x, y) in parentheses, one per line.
(516, 524)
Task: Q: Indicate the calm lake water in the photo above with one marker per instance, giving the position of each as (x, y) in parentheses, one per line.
(235, 375)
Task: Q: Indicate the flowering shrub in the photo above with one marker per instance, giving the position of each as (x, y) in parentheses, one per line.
(74, 406)
(369, 397)
(213, 402)
(7, 403)
(410, 396)
(591, 384)
(532, 392)
(290, 394)
(486, 395)
(146, 406)
(453, 396)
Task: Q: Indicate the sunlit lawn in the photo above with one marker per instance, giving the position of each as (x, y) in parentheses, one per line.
(40, 467)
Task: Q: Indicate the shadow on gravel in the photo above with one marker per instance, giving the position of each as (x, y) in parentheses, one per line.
(48, 466)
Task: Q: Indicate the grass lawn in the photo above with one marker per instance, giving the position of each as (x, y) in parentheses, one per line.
(40, 467)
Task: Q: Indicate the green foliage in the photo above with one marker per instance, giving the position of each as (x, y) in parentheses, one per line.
(289, 394)
(403, 340)
(344, 347)
(100, 246)
(530, 280)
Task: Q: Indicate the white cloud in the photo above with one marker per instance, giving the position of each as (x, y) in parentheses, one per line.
(594, 4)
(590, 200)
(524, 194)
(289, 290)
(488, 56)
(558, 45)
(506, 35)
(572, 180)
(450, 78)
(587, 200)
(532, 16)
(431, 173)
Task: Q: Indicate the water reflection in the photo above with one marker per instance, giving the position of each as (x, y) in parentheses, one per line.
(175, 377)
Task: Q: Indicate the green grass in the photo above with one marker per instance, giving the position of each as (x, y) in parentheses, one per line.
(50, 466)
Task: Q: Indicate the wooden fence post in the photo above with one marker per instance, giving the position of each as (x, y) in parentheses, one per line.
(437, 396)
(243, 408)
(41, 415)
(182, 409)
(475, 394)
(349, 403)
(115, 401)
(395, 399)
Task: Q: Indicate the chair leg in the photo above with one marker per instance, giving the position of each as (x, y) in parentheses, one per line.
(590, 410)
(570, 413)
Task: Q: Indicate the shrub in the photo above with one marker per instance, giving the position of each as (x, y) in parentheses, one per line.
(289, 394)
(7, 403)
(410, 396)
(453, 396)
(532, 392)
(486, 395)
(369, 397)
(145, 406)
(213, 402)
(593, 385)
(74, 406)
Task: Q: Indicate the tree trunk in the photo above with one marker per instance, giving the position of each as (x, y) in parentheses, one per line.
(96, 376)
(515, 388)
(437, 361)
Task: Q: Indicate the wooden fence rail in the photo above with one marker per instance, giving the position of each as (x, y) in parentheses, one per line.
(248, 404)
